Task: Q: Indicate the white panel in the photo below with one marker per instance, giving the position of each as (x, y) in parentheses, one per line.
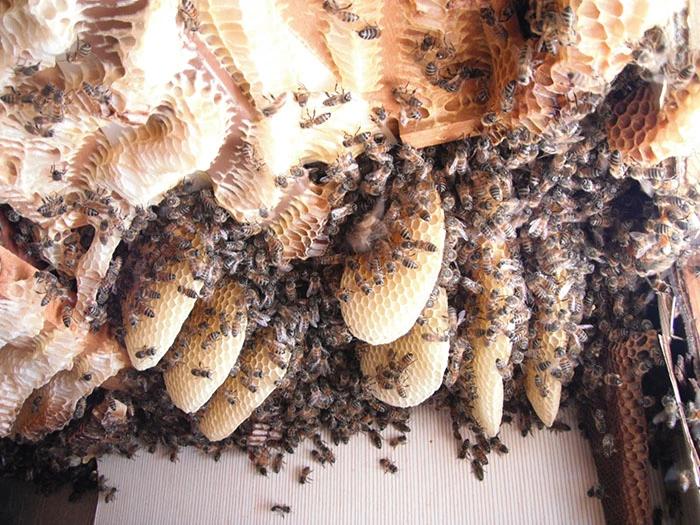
(544, 479)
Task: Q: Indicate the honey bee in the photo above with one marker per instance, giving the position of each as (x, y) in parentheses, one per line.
(596, 491)
(339, 97)
(342, 13)
(388, 466)
(82, 50)
(525, 65)
(464, 450)
(616, 167)
(489, 118)
(187, 292)
(508, 96)
(190, 15)
(304, 476)
(398, 440)
(430, 70)
(369, 32)
(57, 174)
(375, 438)
(611, 379)
(27, 70)
(281, 509)
(146, 351)
(201, 372)
(313, 120)
(478, 469)
(301, 96)
(379, 115)
(567, 33)
(51, 206)
(608, 445)
(11, 98)
(67, 315)
(275, 104)
(483, 94)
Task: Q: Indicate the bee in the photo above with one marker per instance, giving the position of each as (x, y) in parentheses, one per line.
(52, 206)
(464, 450)
(146, 351)
(67, 315)
(612, 380)
(304, 476)
(617, 169)
(567, 32)
(87, 376)
(12, 97)
(281, 509)
(357, 138)
(608, 445)
(83, 49)
(275, 104)
(339, 97)
(377, 272)
(188, 292)
(596, 491)
(301, 95)
(435, 337)
(506, 13)
(149, 312)
(201, 372)
(398, 440)
(313, 120)
(599, 421)
(38, 126)
(498, 446)
(379, 115)
(369, 32)
(165, 276)
(430, 70)
(489, 118)
(508, 96)
(388, 466)
(446, 50)
(401, 426)
(407, 262)
(483, 94)
(57, 174)
(375, 438)
(26, 70)
(189, 14)
(478, 469)
(342, 13)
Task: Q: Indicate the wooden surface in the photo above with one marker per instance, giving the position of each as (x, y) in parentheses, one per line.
(543, 479)
(20, 504)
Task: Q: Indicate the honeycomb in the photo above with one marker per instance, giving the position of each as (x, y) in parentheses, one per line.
(625, 472)
(545, 399)
(424, 376)
(234, 401)
(52, 406)
(171, 311)
(557, 346)
(487, 406)
(390, 310)
(187, 391)
(36, 346)
(225, 108)
(647, 134)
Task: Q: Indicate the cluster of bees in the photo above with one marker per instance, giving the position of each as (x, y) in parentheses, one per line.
(436, 56)
(546, 234)
(45, 105)
(369, 31)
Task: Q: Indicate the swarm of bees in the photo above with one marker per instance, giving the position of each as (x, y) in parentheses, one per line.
(550, 241)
